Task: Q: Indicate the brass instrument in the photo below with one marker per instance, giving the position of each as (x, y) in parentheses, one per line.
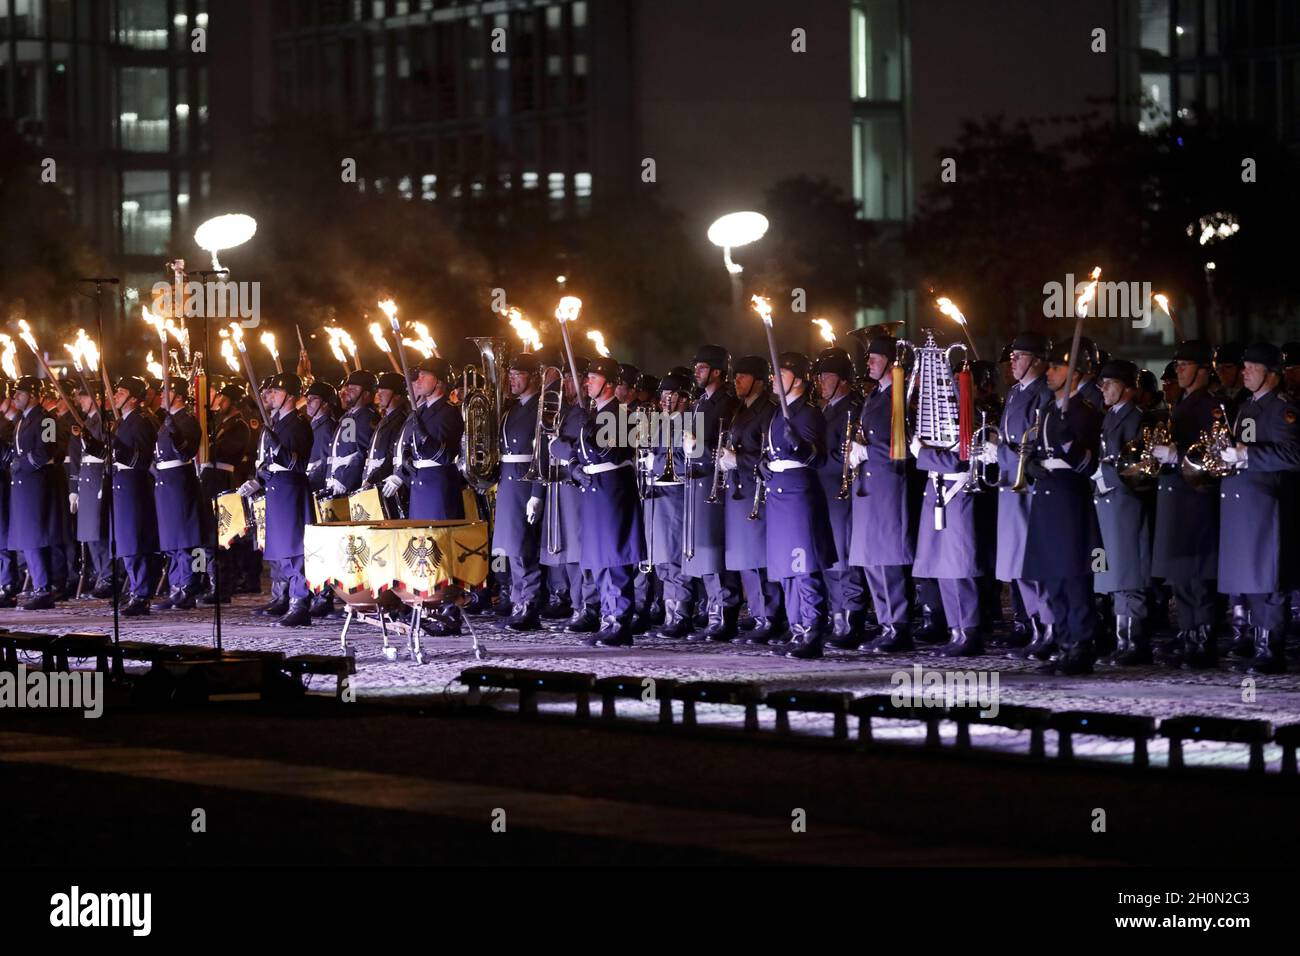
(1203, 465)
(1136, 462)
(549, 412)
(481, 397)
(1027, 442)
(688, 505)
(760, 494)
(849, 475)
(979, 477)
(717, 468)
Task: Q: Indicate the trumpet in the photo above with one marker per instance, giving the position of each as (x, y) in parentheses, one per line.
(717, 469)
(984, 435)
(849, 475)
(1027, 442)
(760, 494)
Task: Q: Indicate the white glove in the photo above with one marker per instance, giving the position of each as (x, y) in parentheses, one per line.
(73, 499)
(648, 460)
(250, 487)
(1055, 464)
(727, 460)
(335, 487)
(915, 446)
(990, 454)
(689, 444)
(392, 484)
(857, 454)
(1232, 455)
(1165, 454)
(533, 510)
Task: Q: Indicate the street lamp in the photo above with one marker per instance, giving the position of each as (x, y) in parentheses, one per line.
(224, 232)
(729, 232)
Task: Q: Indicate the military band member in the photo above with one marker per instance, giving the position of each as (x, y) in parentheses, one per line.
(1257, 549)
(322, 400)
(9, 583)
(228, 440)
(286, 449)
(625, 391)
(1227, 368)
(882, 543)
(35, 502)
(746, 533)
(347, 457)
(88, 501)
(613, 542)
(664, 506)
(176, 494)
(1186, 553)
(841, 409)
(381, 458)
(64, 568)
(704, 545)
(521, 494)
(1062, 535)
(134, 521)
(578, 586)
(1170, 390)
(1027, 402)
(427, 446)
(800, 543)
(1124, 517)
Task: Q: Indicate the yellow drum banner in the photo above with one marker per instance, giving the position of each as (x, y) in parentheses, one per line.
(412, 558)
(366, 506)
(232, 518)
(259, 519)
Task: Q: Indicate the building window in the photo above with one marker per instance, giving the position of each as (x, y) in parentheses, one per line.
(878, 168)
(428, 187)
(143, 123)
(142, 24)
(146, 213)
(876, 50)
(1154, 26)
(1155, 101)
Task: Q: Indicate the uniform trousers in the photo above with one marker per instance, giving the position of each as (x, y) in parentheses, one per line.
(180, 569)
(805, 599)
(763, 596)
(677, 586)
(1194, 601)
(1130, 604)
(1067, 606)
(1268, 611)
(721, 588)
(888, 584)
(38, 565)
(525, 581)
(616, 590)
(961, 601)
(139, 581)
(292, 570)
(846, 590)
(9, 570)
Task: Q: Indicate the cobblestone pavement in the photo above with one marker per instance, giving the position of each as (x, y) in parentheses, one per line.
(1156, 691)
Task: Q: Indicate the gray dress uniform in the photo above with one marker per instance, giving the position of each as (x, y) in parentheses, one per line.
(566, 562)
(746, 539)
(512, 534)
(1124, 518)
(1024, 401)
(952, 555)
(92, 493)
(705, 558)
(845, 584)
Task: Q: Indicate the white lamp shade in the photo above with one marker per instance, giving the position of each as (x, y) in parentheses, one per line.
(225, 232)
(738, 229)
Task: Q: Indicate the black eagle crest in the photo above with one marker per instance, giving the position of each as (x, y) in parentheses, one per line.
(359, 513)
(224, 519)
(354, 552)
(422, 555)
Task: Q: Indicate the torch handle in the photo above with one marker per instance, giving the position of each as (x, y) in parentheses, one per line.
(573, 366)
(252, 387)
(401, 352)
(40, 360)
(776, 372)
(1074, 360)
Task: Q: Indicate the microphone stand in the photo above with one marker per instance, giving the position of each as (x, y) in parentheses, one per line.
(205, 438)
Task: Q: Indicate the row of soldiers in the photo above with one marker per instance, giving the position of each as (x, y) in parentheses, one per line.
(756, 504)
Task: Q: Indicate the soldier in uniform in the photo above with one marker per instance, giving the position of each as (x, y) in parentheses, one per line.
(566, 565)
(390, 400)
(176, 495)
(1062, 534)
(800, 543)
(882, 543)
(625, 391)
(1186, 553)
(1169, 387)
(1124, 517)
(1258, 553)
(352, 438)
(664, 507)
(134, 521)
(284, 453)
(521, 494)
(9, 583)
(64, 569)
(613, 542)
(703, 543)
(1026, 403)
(88, 501)
(427, 446)
(841, 409)
(1227, 367)
(228, 439)
(35, 504)
(322, 399)
(746, 518)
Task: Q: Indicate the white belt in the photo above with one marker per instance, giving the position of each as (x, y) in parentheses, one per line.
(375, 462)
(605, 466)
(516, 459)
(274, 468)
(337, 460)
(91, 460)
(428, 463)
(121, 467)
(785, 464)
(660, 483)
(165, 465)
(219, 465)
(560, 461)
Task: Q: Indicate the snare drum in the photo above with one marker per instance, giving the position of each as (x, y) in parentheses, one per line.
(233, 519)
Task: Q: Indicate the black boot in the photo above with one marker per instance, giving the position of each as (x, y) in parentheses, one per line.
(614, 633)
(525, 618)
(765, 629)
(1173, 653)
(929, 632)
(41, 600)
(1243, 635)
(1073, 660)
(712, 621)
(656, 611)
(1202, 650)
(726, 627)
(9, 598)
(1139, 645)
(1040, 647)
(1123, 644)
(442, 621)
(584, 621)
(178, 600)
(557, 609)
(299, 614)
(278, 606)
(844, 636)
(894, 638)
(964, 642)
(677, 621)
(808, 644)
(322, 605)
(165, 602)
(1270, 652)
(138, 606)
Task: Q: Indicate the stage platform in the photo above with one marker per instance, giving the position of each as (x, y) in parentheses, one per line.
(1154, 691)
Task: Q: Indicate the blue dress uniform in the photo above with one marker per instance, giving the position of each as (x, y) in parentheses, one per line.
(90, 451)
(1258, 556)
(613, 539)
(134, 521)
(351, 442)
(63, 554)
(429, 443)
(881, 543)
(800, 544)
(228, 442)
(564, 573)
(1186, 550)
(36, 520)
(382, 454)
(746, 539)
(513, 535)
(323, 427)
(176, 499)
(845, 583)
(9, 583)
(704, 554)
(664, 509)
(1125, 520)
(284, 454)
(954, 556)
(1062, 534)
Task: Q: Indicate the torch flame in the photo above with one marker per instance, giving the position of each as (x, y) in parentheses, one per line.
(336, 343)
(88, 350)
(423, 342)
(26, 335)
(8, 356)
(377, 333)
(228, 353)
(268, 340)
(1088, 294)
(181, 335)
(568, 309)
(154, 320)
(154, 369)
(74, 352)
(237, 334)
(1163, 301)
(763, 306)
(949, 308)
(827, 332)
(598, 340)
(526, 331)
(350, 345)
(389, 308)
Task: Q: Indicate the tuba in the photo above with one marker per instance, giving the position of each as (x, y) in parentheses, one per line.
(481, 396)
(935, 391)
